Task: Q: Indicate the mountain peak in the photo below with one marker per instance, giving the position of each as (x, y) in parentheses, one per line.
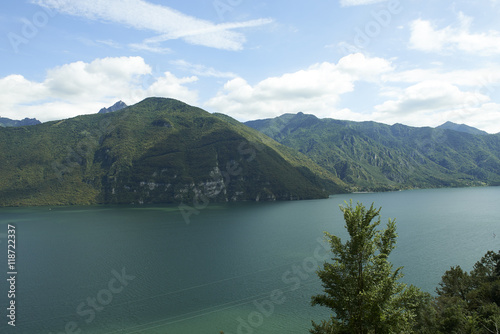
(300, 114)
(115, 107)
(185, 147)
(461, 128)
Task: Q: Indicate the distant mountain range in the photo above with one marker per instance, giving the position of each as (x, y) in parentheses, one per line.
(165, 151)
(370, 156)
(5, 122)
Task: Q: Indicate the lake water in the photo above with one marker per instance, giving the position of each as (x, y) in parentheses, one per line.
(238, 268)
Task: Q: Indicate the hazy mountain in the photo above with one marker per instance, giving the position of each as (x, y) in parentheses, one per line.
(462, 128)
(115, 107)
(372, 156)
(4, 122)
(157, 151)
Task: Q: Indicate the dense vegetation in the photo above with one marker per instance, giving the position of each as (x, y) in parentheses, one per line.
(370, 156)
(467, 302)
(164, 151)
(365, 296)
(157, 151)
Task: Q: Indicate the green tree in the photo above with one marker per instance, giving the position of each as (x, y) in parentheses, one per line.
(455, 283)
(360, 285)
(470, 302)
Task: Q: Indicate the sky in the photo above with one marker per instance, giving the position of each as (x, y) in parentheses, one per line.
(415, 62)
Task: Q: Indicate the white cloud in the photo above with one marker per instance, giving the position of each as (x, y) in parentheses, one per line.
(167, 22)
(362, 68)
(426, 37)
(316, 90)
(484, 77)
(109, 43)
(346, 3)
(420, 97)
(16, 89)
(83, 88)
(485, 117)
(431, 103)
(171, 86)
(149, 47)
(429, 96)
(202, 70)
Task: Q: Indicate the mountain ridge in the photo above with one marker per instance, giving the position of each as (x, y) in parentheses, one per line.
(156, 151)
(461, 128)
(372, 156)
(7, 122)
(165, 151)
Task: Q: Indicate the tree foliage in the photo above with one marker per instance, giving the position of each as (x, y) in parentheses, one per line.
(363, 290)
(470, 302)
(361, 287)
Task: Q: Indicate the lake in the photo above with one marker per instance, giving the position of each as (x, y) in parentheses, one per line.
(238, 268)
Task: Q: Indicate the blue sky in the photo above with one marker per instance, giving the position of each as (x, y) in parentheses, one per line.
(419, 63)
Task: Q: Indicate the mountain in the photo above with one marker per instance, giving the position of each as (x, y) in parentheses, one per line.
(461, 128)
(4, 122)
(115, 107)
(370, 156)
(157, 151)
